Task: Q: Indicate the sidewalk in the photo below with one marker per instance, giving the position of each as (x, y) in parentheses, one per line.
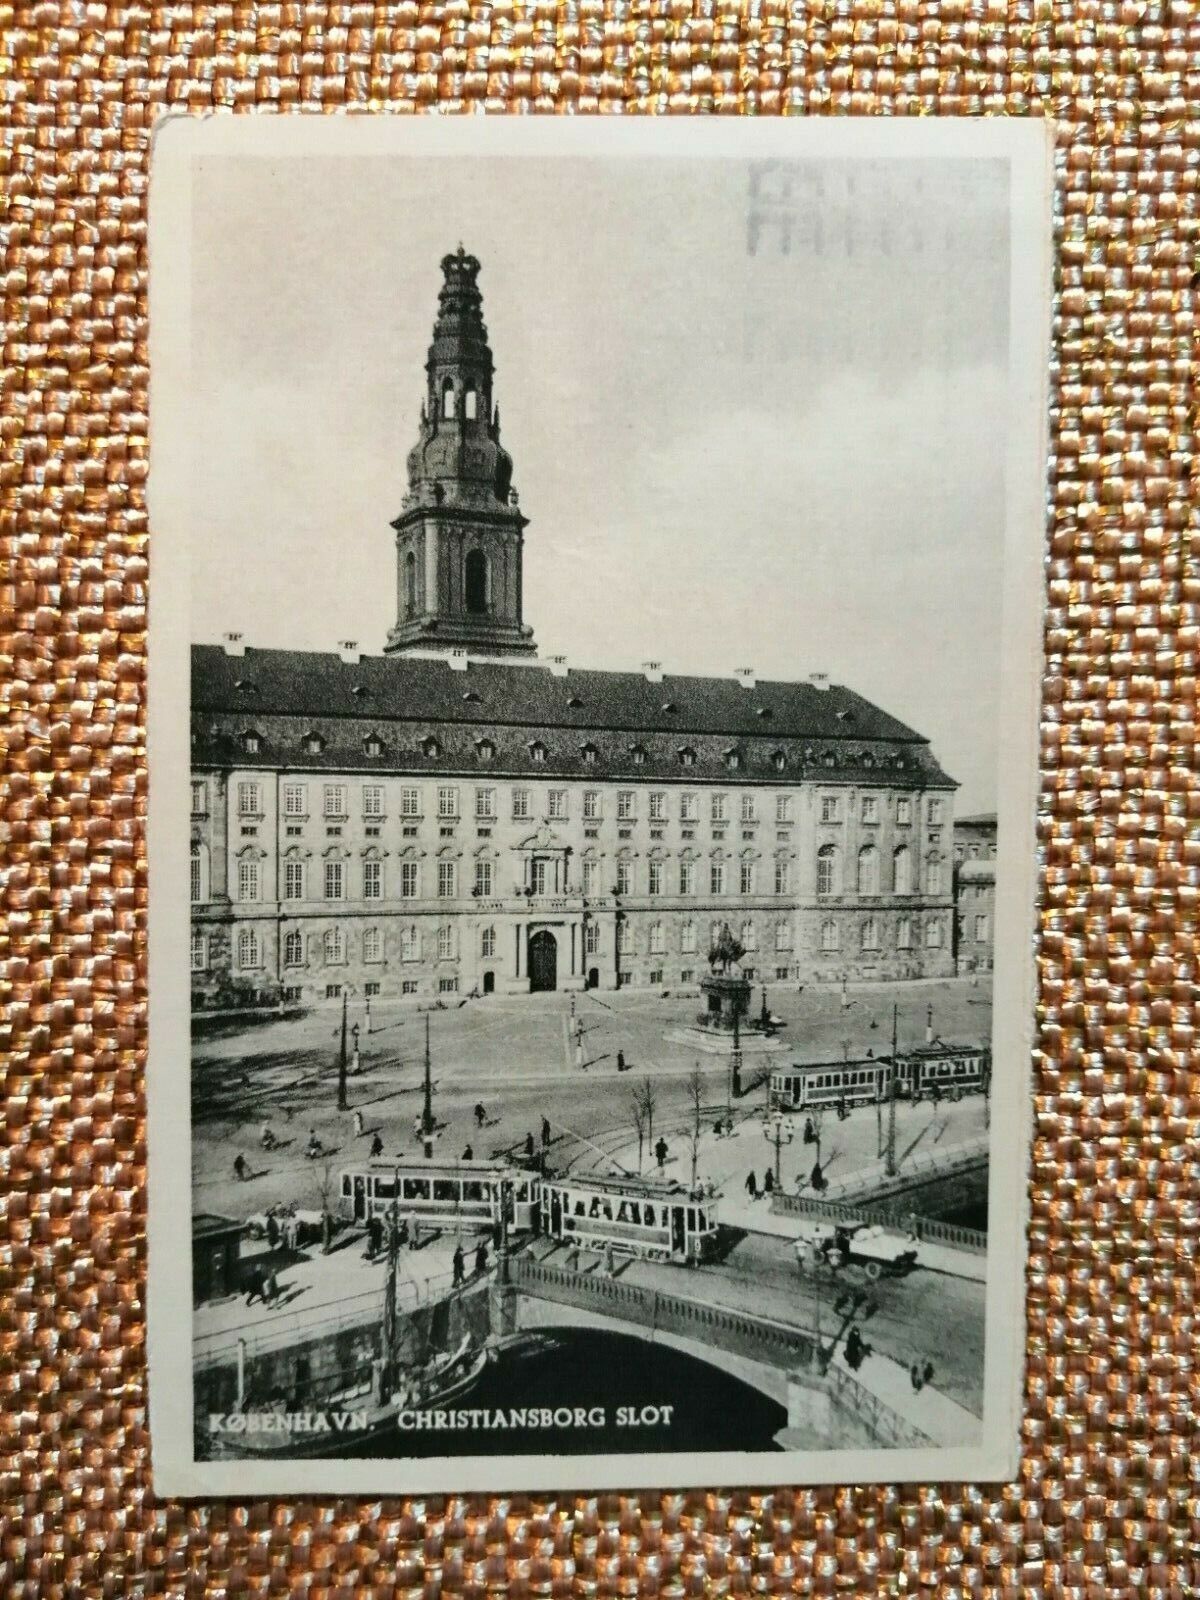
(937, 1416)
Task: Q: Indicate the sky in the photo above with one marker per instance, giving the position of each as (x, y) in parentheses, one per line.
(756, 412)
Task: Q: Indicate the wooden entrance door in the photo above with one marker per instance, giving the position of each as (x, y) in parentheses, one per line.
(543, 962)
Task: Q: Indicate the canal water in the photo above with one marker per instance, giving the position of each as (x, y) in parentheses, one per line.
(710, 1410)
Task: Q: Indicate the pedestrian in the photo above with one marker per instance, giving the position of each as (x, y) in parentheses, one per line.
(272, 1230)
(752, 1185)
(842, 1111)
(497, 1234)
(418, 1126)
(481, 1259)
(414, 1238)
(719, 1129)
(660, 1151)
(272, 1289)
(239, 1166)
(545, 1133)
(529, 1144)
(480, 1115)
(768, 1181)
(314, 1147)
(810, 1133)
(468, 1154)
(376, 1144)
(459, 1261)
(818, 1178)
(266, 1138)
(927, 1373)
(620, 1061)
(854, 1348)
(915, 1378)
(358, 1124)
(255, 1284)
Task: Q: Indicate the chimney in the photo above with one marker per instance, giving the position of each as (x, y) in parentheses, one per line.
(653, 671)
(233, 644)
(458, 659)
(819, 680)
(558, 666)
(349, 651)
(746, 676)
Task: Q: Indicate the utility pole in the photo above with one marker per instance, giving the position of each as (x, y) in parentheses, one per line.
(735, 1060)
(427, 1112)
(341, 1100)
(891, 1138)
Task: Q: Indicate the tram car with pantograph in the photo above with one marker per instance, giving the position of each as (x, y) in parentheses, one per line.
(651, 1218)
(463, 1195)
(927, 1071)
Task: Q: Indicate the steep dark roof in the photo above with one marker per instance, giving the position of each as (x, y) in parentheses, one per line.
(282, 694)
(428, 690)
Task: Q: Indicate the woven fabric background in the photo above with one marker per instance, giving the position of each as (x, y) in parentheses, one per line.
(1107, 1500)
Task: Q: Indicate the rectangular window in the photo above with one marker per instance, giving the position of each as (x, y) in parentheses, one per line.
(656, 975)
(981, 929)
(687, 939)
(720, 808)
(247, 880)
(372, 945)
(447, 985)
(782, 877)
(483, 879)
(333, 991)
(903, 811)
(410, 945)
(591, 805)
(624, 878)
(409, 880)
(485, 804)
(831, 809)
(746, 878)
(870, 808)
(249, 799)
(410, 802)
(625, 804)
(446, 941)
(447, 880)
(293, 880)
(656, 877)
(294, 798)
(197, 878)
(520, 804)
(933, 935)
(556, 803)
(335, 880)
(689, 808)
(658, 807)
(335, 800)
(749, 810)
(447, 801)
(935, 812)
(487, 943)
(199, 952)
(783, 808)
(591, 878)
(408, 986)
(783, 936)
(591, 939)
(199, 799)
(687, 877)
(372, 797)
(372, 880)
(716, 878)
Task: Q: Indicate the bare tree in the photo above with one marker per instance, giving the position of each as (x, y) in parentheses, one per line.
(326, 1190)
(637, 1110)
(649, 1099)
(695, 1101)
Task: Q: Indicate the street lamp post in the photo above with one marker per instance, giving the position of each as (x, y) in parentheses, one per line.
(342, 1064)
(777, 1131)
(735, 1060)
(427, 1110)
(890, 1166)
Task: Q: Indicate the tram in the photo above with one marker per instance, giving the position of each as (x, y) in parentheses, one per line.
(458, 1194)
(949, 1070)
(660, 1221)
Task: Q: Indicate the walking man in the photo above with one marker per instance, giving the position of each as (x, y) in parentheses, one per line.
(459, 1261)
(480, 1115)
(529, 1144)
(376, 1144)
(545, 1133)
(481, 1259)
(768, 1181)
(256, 1286)
(239, 1167)
(468, 1154)
(660, 1152)
(620, 1061)
(818, 1178)
(358, 1124)
(752, 1185)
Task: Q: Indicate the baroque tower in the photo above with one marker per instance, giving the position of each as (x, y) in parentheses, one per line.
(460, 534)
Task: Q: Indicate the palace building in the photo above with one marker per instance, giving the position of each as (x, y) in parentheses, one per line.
(455, 815)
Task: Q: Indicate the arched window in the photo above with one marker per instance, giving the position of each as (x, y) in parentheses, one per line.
(410, 944)
(748, 937)
(870, 934)
(829, 936)
(448, 399)
(868, 870)
(335, 947)
(410, 584)
(470, 405)
(247, 947)
(624, 939)
(199, 873)
(902, 871)
(476, 583)
(827, 870)
(658, 943)
(783, 936)
(293, 949)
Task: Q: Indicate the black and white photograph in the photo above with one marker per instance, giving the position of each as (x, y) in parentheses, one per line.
(596, 603)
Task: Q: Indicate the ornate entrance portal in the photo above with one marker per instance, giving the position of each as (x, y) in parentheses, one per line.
(543, 962)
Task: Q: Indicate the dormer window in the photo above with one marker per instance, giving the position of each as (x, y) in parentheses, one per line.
(313, 744)
(373, 745)
(763, 711)
(537, 751)
(484, 749)
(669, 705)
(778, 760)
(589, 754)
(246, 685)
(358, 690)
(687, 757)
(845, 716)
(574, 702)
(733, 760)
(471, 696)
(250, 741)
(637, 754)
(431, 747)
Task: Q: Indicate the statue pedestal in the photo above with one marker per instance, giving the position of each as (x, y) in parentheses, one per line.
(726, 995)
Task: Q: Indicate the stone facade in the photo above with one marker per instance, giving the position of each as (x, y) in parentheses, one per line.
(975, 893)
